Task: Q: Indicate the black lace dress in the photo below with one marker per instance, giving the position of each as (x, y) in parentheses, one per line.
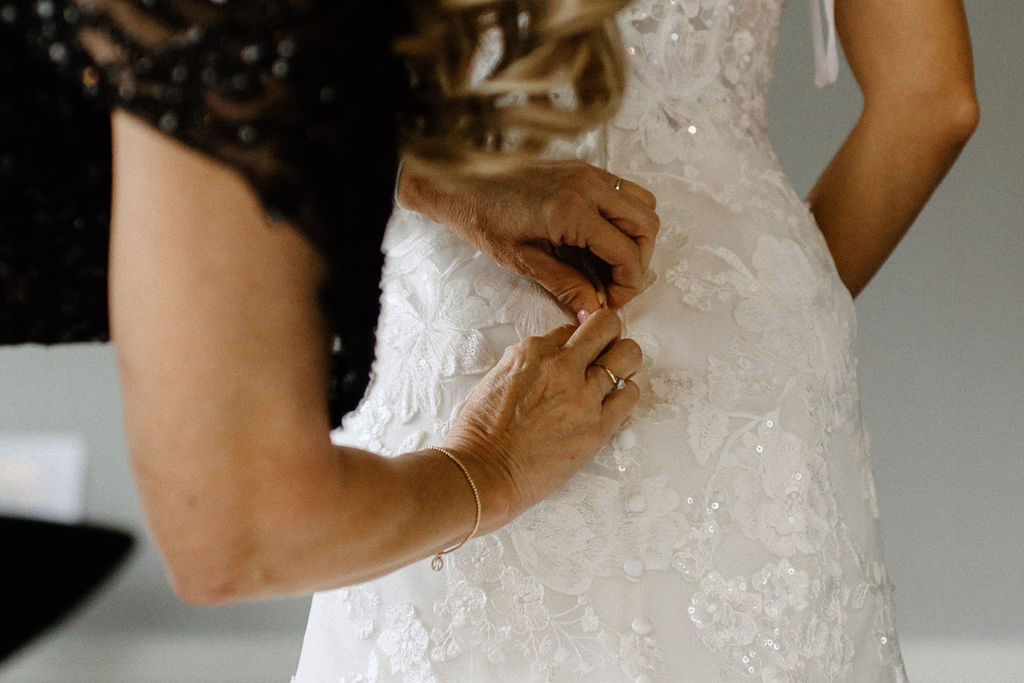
(299, 96)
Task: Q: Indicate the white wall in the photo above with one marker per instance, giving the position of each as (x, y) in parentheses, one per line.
(941, 339)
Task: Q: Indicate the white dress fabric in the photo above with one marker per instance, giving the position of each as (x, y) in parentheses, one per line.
(729, 532)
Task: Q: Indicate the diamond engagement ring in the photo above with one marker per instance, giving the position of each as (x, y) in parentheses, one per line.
(618, 183)
(617, 382)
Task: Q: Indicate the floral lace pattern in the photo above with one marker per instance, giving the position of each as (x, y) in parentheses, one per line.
(753, 621)
(729, 529)
(502, 610)
(699, 74)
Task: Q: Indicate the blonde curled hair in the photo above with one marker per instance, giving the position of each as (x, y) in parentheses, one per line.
(459, 121)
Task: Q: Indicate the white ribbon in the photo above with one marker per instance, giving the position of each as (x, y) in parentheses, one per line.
(826, 53)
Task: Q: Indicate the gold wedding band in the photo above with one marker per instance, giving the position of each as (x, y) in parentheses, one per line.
(617, 382)
(618, 183)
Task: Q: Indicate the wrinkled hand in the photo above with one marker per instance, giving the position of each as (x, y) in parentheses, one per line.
(543, 412)
(519, 221)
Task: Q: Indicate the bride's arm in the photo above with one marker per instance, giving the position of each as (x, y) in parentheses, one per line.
(913, 63)
(222, 351)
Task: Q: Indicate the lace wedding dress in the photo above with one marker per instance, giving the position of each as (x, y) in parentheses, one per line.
(729, 531)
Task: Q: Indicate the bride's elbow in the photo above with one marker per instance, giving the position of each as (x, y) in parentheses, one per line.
(944, 116)
(962, 117)
(951, 113)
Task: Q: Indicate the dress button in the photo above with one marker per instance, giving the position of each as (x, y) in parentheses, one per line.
(633, 567)
(636, 503)
(642, 626)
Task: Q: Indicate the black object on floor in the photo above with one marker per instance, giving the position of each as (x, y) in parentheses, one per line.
(46, 569)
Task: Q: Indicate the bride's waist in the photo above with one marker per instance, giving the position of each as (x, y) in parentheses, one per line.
(689, 141)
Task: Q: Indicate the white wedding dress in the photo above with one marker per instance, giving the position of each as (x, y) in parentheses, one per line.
(729, 532)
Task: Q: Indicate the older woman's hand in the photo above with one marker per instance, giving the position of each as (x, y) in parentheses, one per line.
(543, 412)
(520, 220)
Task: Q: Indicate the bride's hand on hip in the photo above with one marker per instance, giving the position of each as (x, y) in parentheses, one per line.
(543, 412)
(519, 220)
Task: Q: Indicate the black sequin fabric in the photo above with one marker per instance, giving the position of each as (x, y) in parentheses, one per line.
(54, 203)
(298, 96)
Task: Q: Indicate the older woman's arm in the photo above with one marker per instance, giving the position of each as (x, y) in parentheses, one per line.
(913, 63)
(222, 351)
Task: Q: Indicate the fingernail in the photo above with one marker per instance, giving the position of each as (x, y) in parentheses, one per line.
(582, 315)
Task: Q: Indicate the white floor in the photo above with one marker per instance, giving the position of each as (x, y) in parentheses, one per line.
(177, 658)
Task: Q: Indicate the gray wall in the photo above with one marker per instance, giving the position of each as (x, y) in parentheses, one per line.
(941, 339)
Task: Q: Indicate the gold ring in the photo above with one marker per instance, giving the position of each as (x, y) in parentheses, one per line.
(617, 382)
(618, 183)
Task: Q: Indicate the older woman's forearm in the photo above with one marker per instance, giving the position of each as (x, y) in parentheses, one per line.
(334, 518)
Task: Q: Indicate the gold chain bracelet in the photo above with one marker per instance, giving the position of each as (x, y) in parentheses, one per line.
(437, 564)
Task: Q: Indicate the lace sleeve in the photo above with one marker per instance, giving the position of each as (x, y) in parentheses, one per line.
(299, 96)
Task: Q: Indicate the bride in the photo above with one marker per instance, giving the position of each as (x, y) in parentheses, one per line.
(730, 530)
